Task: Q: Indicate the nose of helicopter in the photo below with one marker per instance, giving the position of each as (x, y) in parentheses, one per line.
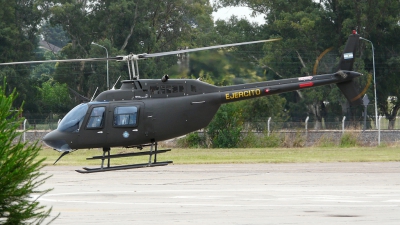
(55, 140)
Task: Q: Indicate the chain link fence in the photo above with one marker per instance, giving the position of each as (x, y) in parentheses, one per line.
(312, 131)
(271, 125)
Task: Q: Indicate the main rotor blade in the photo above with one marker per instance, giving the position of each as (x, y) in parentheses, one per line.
(60, 60)
(140, 56)
(204, 48)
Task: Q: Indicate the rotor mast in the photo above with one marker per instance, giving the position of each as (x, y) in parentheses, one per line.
(133, 67)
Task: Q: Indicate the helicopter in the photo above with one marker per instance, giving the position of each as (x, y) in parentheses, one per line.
(143, 112)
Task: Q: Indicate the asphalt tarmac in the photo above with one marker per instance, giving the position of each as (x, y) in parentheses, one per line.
(309, 193)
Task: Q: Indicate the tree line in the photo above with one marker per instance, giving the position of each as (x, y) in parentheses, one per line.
(313, 34)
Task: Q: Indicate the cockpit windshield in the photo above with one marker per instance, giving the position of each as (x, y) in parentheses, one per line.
(73, 120)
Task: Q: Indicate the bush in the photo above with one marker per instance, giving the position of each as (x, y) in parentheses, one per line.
(348, 140)
(192, 140)
(326, 141)
(272, 141)
(295, 140)
(253, 140)
(225, 129)
(19, 170)
(250, 140)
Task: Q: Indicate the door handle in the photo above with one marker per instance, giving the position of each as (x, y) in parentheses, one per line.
(100, 132)
(201, 102)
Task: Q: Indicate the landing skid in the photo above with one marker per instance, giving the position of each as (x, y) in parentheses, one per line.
(108, 157)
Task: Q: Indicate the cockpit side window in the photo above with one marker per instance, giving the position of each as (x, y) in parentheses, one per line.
(73, 120)
(125, 116)
(96, 119)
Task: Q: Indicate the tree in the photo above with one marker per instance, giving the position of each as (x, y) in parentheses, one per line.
(126, 26)
(54, 35)
(19, 22)
(242, 61)
(224, 131)
(303, 27)
(259, 109)
(307, 29)
(55, 97)
(19, 169)
(380, 24)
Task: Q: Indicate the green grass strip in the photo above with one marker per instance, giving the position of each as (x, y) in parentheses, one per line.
(236, 155)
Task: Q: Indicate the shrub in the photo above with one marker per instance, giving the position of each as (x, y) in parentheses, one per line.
(348, 140)
(225, 129)
(326, 141)
(293, 140)
(192, 140)
(249, 140)
(272, 141)
(19, 170)
(260, 140)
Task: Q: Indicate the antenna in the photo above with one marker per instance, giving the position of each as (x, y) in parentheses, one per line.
(94, 94)
(113, 88)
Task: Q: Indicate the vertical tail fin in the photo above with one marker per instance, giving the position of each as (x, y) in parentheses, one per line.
(349, 88)
(347, 58)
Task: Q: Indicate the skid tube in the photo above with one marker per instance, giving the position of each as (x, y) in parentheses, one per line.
(106, 155)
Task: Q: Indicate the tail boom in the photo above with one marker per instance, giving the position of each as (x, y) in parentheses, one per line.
(248, 91)
(343, 78)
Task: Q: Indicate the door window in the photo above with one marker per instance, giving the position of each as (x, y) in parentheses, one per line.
(96, 119)
(125, 116)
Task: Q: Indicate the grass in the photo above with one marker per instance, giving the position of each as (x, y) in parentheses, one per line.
(237, 155)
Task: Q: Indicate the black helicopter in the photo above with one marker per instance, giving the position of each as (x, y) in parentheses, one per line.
(145, 111)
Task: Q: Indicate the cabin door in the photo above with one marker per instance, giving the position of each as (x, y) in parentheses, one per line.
(93, 133)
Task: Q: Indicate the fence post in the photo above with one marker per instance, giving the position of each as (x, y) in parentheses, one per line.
(344, 118)
(25, 130)
(379, 130)
(307, 124)
(269, 120)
